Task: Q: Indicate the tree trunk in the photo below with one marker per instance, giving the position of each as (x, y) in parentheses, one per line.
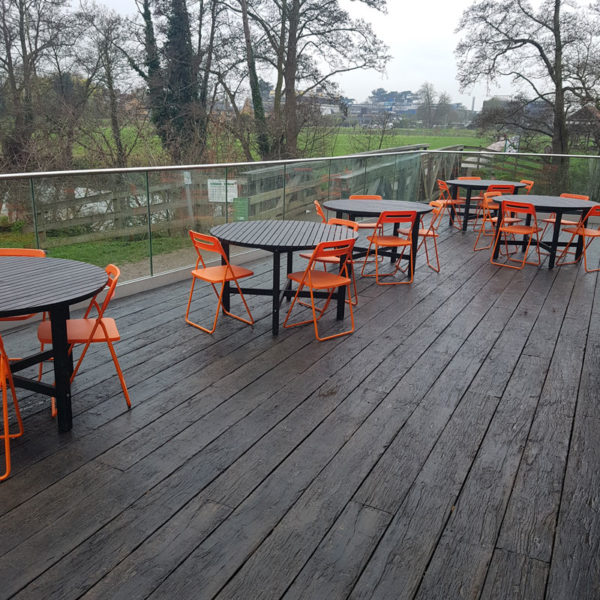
(289, 76)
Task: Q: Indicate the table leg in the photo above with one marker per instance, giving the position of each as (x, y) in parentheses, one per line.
(555, 234)
(414, 239)
(467, 210)
(454, 195)
(63, 366)
(226, 290)
(276, 267)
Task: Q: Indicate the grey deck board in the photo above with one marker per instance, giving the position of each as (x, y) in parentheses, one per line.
(448, 448)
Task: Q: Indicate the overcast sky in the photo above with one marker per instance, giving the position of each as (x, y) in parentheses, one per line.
(421, 38)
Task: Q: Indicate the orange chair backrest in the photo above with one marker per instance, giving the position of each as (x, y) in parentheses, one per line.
(320, 211)
(528, 184)
(488, 201)
(365, 197)
(575, 196)
(444, 190)
(510, 209)
(593, 212)
(467, 178)
(113, 273)
(397, 216)
(345, 222)
(336, 248)
(437, 214)
(503, 189)
(208, 243)
(22, 252)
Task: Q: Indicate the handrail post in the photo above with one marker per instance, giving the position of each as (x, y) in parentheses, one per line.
(284, 197)
(34, 212)
(149, 223)
(226, 196)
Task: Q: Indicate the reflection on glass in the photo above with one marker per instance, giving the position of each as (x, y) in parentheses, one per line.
(17, 224)
(98, 219)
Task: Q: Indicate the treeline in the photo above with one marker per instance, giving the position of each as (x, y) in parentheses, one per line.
(87, 87)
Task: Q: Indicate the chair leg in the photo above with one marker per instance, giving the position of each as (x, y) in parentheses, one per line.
(5, 422)
(119, 373)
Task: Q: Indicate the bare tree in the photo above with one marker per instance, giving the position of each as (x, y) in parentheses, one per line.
(426, 109)
(543, 50)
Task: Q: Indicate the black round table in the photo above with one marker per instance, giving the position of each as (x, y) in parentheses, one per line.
(373, 208)
(277, 237)
(36, 284)
(476, 184)
(552, 204)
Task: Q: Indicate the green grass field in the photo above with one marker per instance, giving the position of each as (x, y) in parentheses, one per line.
(350, 142)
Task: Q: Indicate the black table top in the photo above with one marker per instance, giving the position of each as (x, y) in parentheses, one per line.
(35, 284)
(373, 208)
(482, 184)
(282, 236)
(551, 203)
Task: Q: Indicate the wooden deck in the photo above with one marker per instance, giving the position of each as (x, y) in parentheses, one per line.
(449, 448)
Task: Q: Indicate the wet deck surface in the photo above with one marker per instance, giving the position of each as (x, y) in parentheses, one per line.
(449, 448)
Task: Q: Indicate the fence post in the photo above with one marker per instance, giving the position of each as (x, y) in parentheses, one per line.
(34, 212)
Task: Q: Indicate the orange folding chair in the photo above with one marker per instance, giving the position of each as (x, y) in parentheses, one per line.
(551, 219)
(430, 232)
(335, 260)
(91, 330)
(496, 187)
(21, 252)
(6, 382)
(451, 203)
(528, 185)
(320, 211)
(587, 233)
(220, 274)
(509, 211)
(315, 280)
(403, 240)
(489, 210)
(366, 224)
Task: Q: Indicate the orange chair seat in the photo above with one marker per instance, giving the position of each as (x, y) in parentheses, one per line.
(332, 260)
(367, 225)
(319, 280)
(562, 222)
(422, 232)
(388, 240)
(582, 231)
(216, 274)
(80, 330)
(520, 229)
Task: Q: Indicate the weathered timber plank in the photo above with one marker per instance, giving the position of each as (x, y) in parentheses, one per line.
(332, 569)
(515, 576)
(459, 562)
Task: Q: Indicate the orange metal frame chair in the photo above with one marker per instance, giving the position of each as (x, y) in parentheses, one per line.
(430, 232)
(451, 203)
(335, 260)
(220, 274)
(551, 220)
(366, 224)
(489, 208)
(586, 233)
(320, 211)
(6, 382)
(509, 211)
(402, 240)
(36, 252)
(501, 189)
(89, 331)
(528, 185)
(316, 279)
